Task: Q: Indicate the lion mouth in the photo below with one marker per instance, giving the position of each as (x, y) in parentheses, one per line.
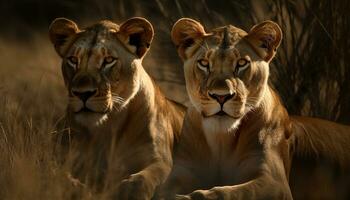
(85, 110)
(221, 113)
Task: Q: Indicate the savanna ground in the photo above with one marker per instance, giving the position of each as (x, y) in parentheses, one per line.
(311, 71)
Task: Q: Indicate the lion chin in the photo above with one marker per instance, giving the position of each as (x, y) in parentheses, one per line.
(90, 119)
(220, 124)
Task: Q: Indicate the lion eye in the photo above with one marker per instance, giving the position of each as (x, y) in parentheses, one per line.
(109, 61)
(242, 64)
(72, 61)
(203, 64)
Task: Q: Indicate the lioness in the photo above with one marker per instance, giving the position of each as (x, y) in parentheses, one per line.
(114, 106)
(238, 140)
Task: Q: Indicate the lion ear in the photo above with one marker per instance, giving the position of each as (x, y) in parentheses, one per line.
(184, 34)
(136, 34)
(265, 38)
(62, 32)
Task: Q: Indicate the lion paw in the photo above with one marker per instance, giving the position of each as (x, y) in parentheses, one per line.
(181, 197)
(206, 195)
(134, 188)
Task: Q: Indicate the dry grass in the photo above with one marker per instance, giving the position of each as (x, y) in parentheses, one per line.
(31, 104)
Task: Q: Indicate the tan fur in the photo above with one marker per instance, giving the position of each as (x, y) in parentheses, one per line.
(241, 148)
(124, 133)
(321, 159)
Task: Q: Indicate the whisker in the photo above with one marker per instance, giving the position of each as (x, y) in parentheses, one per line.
(117, 97)
(118, 100)
(114, 94)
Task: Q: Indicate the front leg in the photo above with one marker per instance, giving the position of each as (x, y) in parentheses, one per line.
(180, 181)
(135, 187)
(260, 188)
(142, 185)
(272, 183)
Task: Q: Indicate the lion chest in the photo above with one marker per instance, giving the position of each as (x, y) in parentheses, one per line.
(233, 158)
(117, 153)
(223, 160)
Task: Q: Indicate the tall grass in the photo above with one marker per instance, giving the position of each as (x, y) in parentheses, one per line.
(30, 106)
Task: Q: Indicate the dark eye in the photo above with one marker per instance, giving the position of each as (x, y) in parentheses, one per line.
(72, 61)
(203, 64)
(242, 64)
(109, 61)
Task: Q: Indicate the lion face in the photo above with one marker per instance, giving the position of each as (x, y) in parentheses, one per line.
(100, 64)
(226, 70)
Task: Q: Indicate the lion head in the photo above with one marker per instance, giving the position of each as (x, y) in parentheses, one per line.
(100, 64)
(226, 69)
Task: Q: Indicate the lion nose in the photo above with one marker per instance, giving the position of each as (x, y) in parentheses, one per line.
(84, 95)
(221, 98)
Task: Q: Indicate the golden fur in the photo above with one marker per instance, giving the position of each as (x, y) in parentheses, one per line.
(238, 140)
(118, 120)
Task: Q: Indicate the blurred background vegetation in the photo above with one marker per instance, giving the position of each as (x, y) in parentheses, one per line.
(311, 71)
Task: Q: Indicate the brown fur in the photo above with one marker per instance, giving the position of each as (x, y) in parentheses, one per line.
(244, 148)
(321, 159)
(122, 136)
